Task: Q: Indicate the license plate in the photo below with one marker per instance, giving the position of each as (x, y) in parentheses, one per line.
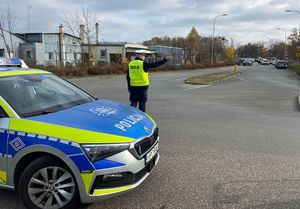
(152, 153)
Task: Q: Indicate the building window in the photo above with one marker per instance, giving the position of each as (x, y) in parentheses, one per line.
(102, 53)
(1, 52)
(50, 55)
(28, 53)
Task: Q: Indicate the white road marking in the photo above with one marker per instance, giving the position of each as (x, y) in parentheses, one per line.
(178, 79)
(197, 87)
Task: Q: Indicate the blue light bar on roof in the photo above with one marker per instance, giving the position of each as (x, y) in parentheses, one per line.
(10, 62)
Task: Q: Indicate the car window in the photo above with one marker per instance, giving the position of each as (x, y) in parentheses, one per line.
(2, 113)
(31, 95)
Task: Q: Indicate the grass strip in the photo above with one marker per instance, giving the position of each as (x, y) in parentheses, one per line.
(210, 78)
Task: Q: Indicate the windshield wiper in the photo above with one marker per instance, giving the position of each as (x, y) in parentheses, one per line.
(44, 112)
(79, 102)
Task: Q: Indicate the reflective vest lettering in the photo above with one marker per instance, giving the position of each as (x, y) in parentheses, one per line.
(137, 75)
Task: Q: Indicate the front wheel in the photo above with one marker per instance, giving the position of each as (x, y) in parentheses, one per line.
(47, 183)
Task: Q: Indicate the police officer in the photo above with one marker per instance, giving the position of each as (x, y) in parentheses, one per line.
(138, 79)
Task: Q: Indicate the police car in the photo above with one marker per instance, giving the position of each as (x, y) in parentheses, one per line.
(60, 146)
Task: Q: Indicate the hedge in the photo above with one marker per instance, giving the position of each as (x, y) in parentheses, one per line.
(295, 67)
(82, 71)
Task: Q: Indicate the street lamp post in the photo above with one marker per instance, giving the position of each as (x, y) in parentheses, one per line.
(298, 12)
(213, 37)
(285, 31)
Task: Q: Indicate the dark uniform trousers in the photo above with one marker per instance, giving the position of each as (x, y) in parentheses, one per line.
(138, 95)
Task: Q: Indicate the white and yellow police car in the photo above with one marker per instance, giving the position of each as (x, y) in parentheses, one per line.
(60, 146)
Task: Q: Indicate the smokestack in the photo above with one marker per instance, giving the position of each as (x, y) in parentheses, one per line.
(62, 57)
(81, 33)
(97, 33)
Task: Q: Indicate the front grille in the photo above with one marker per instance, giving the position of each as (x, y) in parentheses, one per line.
(144, 145)
(127, 178)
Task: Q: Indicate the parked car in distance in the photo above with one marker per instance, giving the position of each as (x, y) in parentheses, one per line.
(247, 62)
(281, 64)
(273, 61)
(265, 62)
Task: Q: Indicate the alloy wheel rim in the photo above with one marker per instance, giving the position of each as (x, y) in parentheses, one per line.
(51, 187)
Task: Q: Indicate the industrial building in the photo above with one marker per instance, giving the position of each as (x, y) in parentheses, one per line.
(51, 48)
(113, 52)
(64, 49)
(10, 44)
(41, 48)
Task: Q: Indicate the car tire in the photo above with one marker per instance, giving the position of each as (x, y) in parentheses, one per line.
(48, 183)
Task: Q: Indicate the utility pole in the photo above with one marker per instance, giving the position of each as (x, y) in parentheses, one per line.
(213, 37)
(285, 31)
(28, 17)
(298, 42)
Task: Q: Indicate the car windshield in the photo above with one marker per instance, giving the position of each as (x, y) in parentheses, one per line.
(31, 95)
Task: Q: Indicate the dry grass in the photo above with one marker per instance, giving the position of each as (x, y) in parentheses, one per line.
(209, 78)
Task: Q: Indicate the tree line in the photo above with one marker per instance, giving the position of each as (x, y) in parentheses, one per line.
(277, 49)
(197, 49)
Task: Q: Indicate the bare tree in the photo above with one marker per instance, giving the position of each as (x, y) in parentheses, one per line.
(4, 38)
(11, 26)
(8, 23)
(72, 22)
(193, 44)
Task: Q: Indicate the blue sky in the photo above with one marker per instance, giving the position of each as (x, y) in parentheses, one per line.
(136, 20)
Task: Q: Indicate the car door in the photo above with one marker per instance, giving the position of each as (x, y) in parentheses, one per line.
(4, 124)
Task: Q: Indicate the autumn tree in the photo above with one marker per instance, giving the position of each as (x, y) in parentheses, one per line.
(252, 50)
(292, 43)
(193, 44)
(277, 50)
(166, 41)
(204, 53)
(230, 54)
(220, 48)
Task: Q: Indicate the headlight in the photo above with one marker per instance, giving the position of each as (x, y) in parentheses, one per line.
(97, 152)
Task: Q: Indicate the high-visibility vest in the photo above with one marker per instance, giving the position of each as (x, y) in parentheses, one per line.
(137, 75)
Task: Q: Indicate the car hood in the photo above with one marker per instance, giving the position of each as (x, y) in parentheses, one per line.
(102, 116)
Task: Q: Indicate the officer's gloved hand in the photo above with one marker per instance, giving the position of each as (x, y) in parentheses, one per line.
(169, 58)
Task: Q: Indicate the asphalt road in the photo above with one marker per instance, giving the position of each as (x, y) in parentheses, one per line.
(234, 144)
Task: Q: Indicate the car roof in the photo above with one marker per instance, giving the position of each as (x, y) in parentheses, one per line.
(15, 66)
(14, 71)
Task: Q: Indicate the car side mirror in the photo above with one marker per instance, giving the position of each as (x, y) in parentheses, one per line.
(3, 113)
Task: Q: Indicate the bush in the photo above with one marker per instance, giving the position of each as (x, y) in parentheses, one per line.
(294, 67)
(84, 70)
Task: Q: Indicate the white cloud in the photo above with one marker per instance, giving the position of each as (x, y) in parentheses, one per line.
(136, 20)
